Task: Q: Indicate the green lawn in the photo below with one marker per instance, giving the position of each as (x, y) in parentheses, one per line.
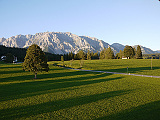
(68, 94)
(136, 66)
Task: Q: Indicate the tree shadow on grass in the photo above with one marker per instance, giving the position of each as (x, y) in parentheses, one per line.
(31, 110)
(43, 76)
(28, 89)
(8, 66)
(10, 69)
(150, 111)
(20, 71)
(11, 72)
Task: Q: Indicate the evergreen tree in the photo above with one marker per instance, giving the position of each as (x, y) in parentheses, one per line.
(117, 56)
(35, 60)
(76, 57)
(129, 52)
(96, 56)
(72, 55)
(102, 53)
(9, 58)
(139, 53)
(109, 54)
(92, 55)
(81, 55)
(65, 57)
(106, 54)
(88, 55)
(69, 56)
(120, 54)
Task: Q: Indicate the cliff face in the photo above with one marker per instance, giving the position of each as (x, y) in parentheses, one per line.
(60, 43)
(56, 42)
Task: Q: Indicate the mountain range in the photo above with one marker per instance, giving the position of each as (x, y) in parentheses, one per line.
(64, 42)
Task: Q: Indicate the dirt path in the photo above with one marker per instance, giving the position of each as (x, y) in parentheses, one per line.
(116, 73)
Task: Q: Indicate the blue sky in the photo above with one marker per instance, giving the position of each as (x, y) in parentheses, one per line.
(129, 22)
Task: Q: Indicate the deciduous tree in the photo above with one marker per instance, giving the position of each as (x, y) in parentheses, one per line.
(129, 51)
(35, 60)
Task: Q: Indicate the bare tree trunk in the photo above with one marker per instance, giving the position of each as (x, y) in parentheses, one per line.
(35, 75)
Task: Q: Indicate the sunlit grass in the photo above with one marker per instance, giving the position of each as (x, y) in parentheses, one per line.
(136, 66)
(68, 94)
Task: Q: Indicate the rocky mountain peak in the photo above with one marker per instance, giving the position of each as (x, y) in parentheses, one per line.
(62, 43)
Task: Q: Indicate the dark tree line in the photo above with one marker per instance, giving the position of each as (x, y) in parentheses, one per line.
(20, 53)
(106, 54)
(17, 52)
(81, 55)
(128, 51)
(53, 57)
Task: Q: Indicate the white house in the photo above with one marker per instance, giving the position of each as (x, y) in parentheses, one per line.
(14, 59)
(125, 58)
(3, 57)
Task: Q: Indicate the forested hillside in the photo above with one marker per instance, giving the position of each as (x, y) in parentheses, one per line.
(20, 53)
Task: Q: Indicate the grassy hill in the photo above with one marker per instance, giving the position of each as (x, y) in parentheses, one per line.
(68, 94)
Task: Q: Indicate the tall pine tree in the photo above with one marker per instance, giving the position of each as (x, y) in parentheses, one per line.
(139, 53)
(120, 54)
(81, 55)
(88, 55)
(102, 53)
(109, 54)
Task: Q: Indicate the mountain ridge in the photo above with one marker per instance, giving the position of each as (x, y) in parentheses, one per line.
(64, 42)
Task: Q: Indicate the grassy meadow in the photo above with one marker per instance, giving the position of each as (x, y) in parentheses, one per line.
(70, 94)
(136, 66)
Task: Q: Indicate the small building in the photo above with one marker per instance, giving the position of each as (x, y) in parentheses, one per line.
(124, 58)
(3, 58)
(14, 58)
